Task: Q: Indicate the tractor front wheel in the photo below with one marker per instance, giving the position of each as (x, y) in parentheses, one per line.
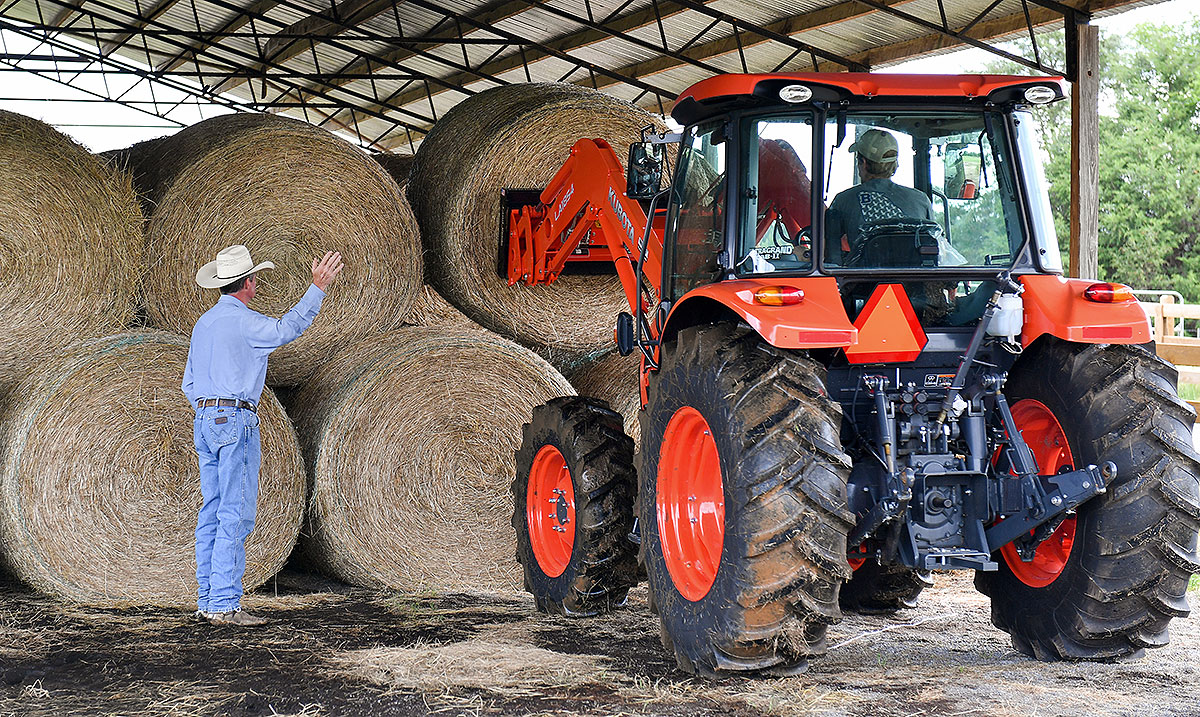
(742, 503)
(1106, 583)
(573, 507)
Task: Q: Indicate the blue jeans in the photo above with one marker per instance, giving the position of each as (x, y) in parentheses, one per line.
(227, 443)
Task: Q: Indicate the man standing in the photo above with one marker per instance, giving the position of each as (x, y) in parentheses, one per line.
(226, 369)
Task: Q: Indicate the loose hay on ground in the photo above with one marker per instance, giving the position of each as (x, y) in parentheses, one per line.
(409, 440)
(288, 191)
(70, 245)
(99, 483)
(613, 378)
(503, 667)
(516, 136)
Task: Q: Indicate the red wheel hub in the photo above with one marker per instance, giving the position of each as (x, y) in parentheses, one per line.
(550, 511)
(690, 503)
(1045, 437)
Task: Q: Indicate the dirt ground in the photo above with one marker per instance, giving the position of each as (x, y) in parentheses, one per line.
(335, 650)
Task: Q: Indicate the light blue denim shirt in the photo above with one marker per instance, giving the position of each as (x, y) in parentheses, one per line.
(231, 343)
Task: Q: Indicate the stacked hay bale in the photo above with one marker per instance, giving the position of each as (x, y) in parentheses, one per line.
(516, 136)
(432, 310)
(614, 379)
(288, 191)
(409, 437)
(70, 246)
(99, 484)
(409, 441)
(397, 165)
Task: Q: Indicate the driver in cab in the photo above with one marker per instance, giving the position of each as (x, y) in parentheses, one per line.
(875, 199)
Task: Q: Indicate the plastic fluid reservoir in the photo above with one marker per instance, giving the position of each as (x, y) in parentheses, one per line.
(1009, 317)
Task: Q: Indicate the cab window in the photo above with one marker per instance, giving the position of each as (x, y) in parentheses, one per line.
(696, 221)
(777, 204)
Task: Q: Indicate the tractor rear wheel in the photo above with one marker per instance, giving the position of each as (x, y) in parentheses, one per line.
(883, 589)
(573, 507)
(742, 503)
(1108, 580)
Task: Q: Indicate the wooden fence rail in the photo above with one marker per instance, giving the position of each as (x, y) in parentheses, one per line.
(1175, 327)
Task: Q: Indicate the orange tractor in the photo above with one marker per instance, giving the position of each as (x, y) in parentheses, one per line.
(860, 364)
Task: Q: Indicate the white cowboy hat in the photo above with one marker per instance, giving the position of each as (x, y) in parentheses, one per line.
(232, 264)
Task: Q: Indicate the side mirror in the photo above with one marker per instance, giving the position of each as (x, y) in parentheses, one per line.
(624, 333)
(963, 168)
(643, 174)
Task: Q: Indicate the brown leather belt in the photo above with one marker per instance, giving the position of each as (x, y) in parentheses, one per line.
(231, 402)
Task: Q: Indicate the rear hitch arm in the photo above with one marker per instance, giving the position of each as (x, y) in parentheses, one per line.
(1069, 491)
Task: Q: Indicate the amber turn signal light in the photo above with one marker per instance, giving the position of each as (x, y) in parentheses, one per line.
(778, 296)
(1106, 293)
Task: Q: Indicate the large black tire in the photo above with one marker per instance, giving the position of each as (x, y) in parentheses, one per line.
(883, 589)
(783, 478)
(1135, 546)
(599, 457)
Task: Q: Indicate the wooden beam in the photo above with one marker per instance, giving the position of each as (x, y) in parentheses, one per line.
(666, 8)
(279, 50)
(1085, 155)
(321, 24)
(565, 43)
(938, 43)
(500, 12)
(260, 7)
(153, 14)
(65, 14)
(1001, 27)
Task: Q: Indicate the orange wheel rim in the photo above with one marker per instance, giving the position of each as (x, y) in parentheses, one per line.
(690, 503)
(1045, 437)
(550, 511)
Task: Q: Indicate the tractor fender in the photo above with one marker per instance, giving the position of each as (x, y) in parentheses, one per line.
(818, 321)
(1055, 305)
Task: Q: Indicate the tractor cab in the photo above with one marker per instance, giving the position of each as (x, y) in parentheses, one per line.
(831, 175)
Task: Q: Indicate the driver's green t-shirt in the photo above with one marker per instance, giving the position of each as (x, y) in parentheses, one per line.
(875, 200)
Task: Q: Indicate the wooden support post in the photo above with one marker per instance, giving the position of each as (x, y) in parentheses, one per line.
(1085, 154)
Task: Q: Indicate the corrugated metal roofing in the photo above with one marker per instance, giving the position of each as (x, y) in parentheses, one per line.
(385, 70)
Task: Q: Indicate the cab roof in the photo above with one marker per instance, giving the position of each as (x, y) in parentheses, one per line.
(723, 92)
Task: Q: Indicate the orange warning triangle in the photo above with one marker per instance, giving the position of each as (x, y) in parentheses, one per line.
(888, 329)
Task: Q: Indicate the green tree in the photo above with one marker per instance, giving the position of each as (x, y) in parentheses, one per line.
(1150, 160)
(1149, 154)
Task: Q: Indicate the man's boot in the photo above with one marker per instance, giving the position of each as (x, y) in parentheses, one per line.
(236, 617)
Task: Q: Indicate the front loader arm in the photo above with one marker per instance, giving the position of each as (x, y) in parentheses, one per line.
(585, 200)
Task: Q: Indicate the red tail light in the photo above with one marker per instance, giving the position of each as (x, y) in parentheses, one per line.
(778, 296)
(1106, 293)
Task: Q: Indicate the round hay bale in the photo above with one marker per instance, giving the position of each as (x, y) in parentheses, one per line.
(397, 165)
(515, 136)
(70, 245)
(430, 309)
(288, 191)
(99, 483)
(135, 160)
(409, 440)
(613, 378)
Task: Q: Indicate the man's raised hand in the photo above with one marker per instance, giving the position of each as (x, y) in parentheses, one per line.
(325, 269)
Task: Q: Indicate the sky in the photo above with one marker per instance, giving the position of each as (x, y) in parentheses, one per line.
(106, 125)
